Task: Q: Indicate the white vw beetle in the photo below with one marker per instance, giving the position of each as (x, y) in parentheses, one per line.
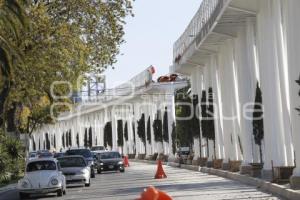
(42, 176)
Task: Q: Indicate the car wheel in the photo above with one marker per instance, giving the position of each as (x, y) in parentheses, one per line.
(24, 195)
(60, 193)
(99, 171)
(88, 184)
(64, 192)
(122, 170)
(93, 174)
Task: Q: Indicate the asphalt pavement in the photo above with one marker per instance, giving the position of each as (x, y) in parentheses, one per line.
(180, 184)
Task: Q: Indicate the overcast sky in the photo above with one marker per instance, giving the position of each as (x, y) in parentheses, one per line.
(150, 36)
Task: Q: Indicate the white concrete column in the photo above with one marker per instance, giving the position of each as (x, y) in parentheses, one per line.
(114, 130)
(171, 120)
(270, 86)
(217, 105)
(293, 49)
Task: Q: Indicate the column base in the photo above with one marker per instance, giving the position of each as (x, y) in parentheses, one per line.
(245, 169)
(267, 174)
(295, 182)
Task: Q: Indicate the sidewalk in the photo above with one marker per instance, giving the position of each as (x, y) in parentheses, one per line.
(281, 190)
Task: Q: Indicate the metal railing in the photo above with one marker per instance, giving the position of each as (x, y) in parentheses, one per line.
(199, 26)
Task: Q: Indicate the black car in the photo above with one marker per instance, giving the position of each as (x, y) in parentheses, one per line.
(58, 155)
(86, 153)
(109, 161)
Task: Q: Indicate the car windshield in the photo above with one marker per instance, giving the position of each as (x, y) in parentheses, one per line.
(109, 155)
(32, 155)
(99, 148)
(81, 152)
(45, 155)
(71, 162)
(41, 165)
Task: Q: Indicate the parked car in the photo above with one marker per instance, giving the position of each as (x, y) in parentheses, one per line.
(44, 154)
(42, 176)
(86, 153)
(75, 169)
(98, 148)
(58, 155)
(32, 155)
(109, 161)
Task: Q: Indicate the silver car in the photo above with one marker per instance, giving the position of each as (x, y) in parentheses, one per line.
(42, 176)
(76, 170)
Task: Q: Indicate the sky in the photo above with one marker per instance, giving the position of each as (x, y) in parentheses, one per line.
(150, 36)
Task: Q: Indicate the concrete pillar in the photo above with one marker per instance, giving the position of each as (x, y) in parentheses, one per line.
(270, 86)
(293, 49)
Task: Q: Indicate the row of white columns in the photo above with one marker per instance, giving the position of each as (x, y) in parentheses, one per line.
(266, 50)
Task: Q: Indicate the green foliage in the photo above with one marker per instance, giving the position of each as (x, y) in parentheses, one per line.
(11, 158)
(77, 139)
(210, 115)
(157, 129)
(90, 140)
(165, 126)
(194, 122)
(149, 130)
(298, 81)
(141, 130)
(126, 131)
(204, 115)
(183, 127)
(120, 133)
(66, 39)
(174, 138)
(258, 124)
(108, 134)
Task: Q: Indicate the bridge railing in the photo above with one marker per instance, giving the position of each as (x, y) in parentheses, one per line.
(199, 26)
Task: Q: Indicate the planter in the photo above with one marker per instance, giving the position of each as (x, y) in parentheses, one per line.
(256, 169)
(209, 164)
(141, 156)
(282, 174)
(203, 162)
(217, 163)
(234, 166)
(131, 156)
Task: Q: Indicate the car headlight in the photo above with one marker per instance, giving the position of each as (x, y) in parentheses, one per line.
(90, 162)
(84, 171)
(101, 163)
(24, 184)
(120, 163)
(54, 181)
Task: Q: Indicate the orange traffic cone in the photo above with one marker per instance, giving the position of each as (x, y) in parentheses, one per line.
(126, 162)
(160, 171)
(151, 193)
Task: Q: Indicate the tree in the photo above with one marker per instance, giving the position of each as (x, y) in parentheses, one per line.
(195, 124)
(63, 140)
(183, 126)
(90, 141)
(126, 131)
(298, 81)
(211, 119)
(70, 137)
(149, 130)
(85, 139)
(108, 134)
(134, 140)
(141, 130)
(174, 138)
(120, 133)
(165, 126)
(157, 128)
(13, 21)
(54, 141)
(66, 39)
(258, 123)
(77, 139)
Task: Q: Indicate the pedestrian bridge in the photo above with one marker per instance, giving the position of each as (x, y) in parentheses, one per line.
(230, 47)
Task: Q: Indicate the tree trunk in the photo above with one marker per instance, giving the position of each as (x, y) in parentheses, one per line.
(260, 154)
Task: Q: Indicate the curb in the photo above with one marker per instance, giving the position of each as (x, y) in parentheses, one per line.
(263, 185)
(8, 188)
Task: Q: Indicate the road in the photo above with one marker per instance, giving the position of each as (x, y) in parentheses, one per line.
(180, 184)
